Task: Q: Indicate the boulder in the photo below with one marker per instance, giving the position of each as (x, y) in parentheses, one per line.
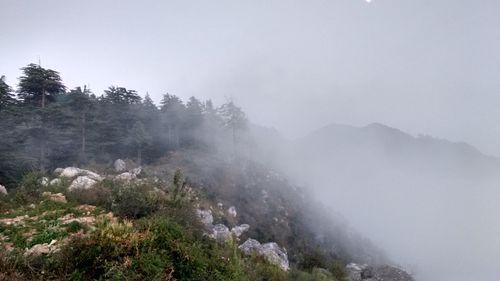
(232, 211)
(250, 247)
(44, 181)
(82, 182)
(71, 172)
(221, 233)
(275, 255)
(126, 177)
(3, 190)
(240, 229)
(206, 217)
(357, 272)
(390, 273)
(120, 165)
(58, 171)
(136, 171)
(55, 181)
(270, 251)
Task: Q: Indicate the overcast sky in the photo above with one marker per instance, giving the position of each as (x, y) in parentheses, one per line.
(423, 66)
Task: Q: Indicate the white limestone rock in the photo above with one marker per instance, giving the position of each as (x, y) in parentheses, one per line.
(206, 217)
(240, 229)
(82, 182)
(71, 172)
(3, 190)
(221, 233)
(120, 165)
(126, 177)
(270, 251)
(44, 181)
(55, 181)
(232, 211)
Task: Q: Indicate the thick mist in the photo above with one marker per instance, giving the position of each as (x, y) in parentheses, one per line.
(430, 204)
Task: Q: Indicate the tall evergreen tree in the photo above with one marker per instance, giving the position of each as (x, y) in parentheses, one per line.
(39, 86)
(172, 113)
(138, 137)
(6, 96)
(234, 119)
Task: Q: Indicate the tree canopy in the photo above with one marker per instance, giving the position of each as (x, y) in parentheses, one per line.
(46, 125)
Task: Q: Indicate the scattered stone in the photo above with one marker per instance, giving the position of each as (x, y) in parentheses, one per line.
(40, 249)
(232, 211)
(44, 181)
(206, 217)
(14, 221)
(69, 218)
(57, 197)
(82, 182)
(126, 177)
(270, 251)
(221, 233)
(136, 171)
(3, 190)
(55, 181)
(120, 165)
(220, 205)
(71, 172)
(86, 208)
(240, 229)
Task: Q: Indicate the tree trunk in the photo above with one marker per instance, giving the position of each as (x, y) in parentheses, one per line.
(139, 155)
(83, 134)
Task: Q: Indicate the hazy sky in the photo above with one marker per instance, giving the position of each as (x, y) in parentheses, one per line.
(424, 66)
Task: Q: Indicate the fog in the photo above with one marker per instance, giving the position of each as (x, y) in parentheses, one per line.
(424, 67)
(430, 204)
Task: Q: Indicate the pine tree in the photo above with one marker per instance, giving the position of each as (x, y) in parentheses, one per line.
(39, 86)
(6, 96)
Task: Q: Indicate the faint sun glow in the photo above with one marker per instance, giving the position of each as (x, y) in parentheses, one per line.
(368, 1)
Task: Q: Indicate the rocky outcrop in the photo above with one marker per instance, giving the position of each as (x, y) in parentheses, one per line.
(120, 165)
(82, 182)
(270, 251)
(357, 272)
(3, 190)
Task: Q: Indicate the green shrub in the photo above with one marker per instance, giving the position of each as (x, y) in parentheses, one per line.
(338, 270)
(30, 188)
(134, 201)
(99, 195)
